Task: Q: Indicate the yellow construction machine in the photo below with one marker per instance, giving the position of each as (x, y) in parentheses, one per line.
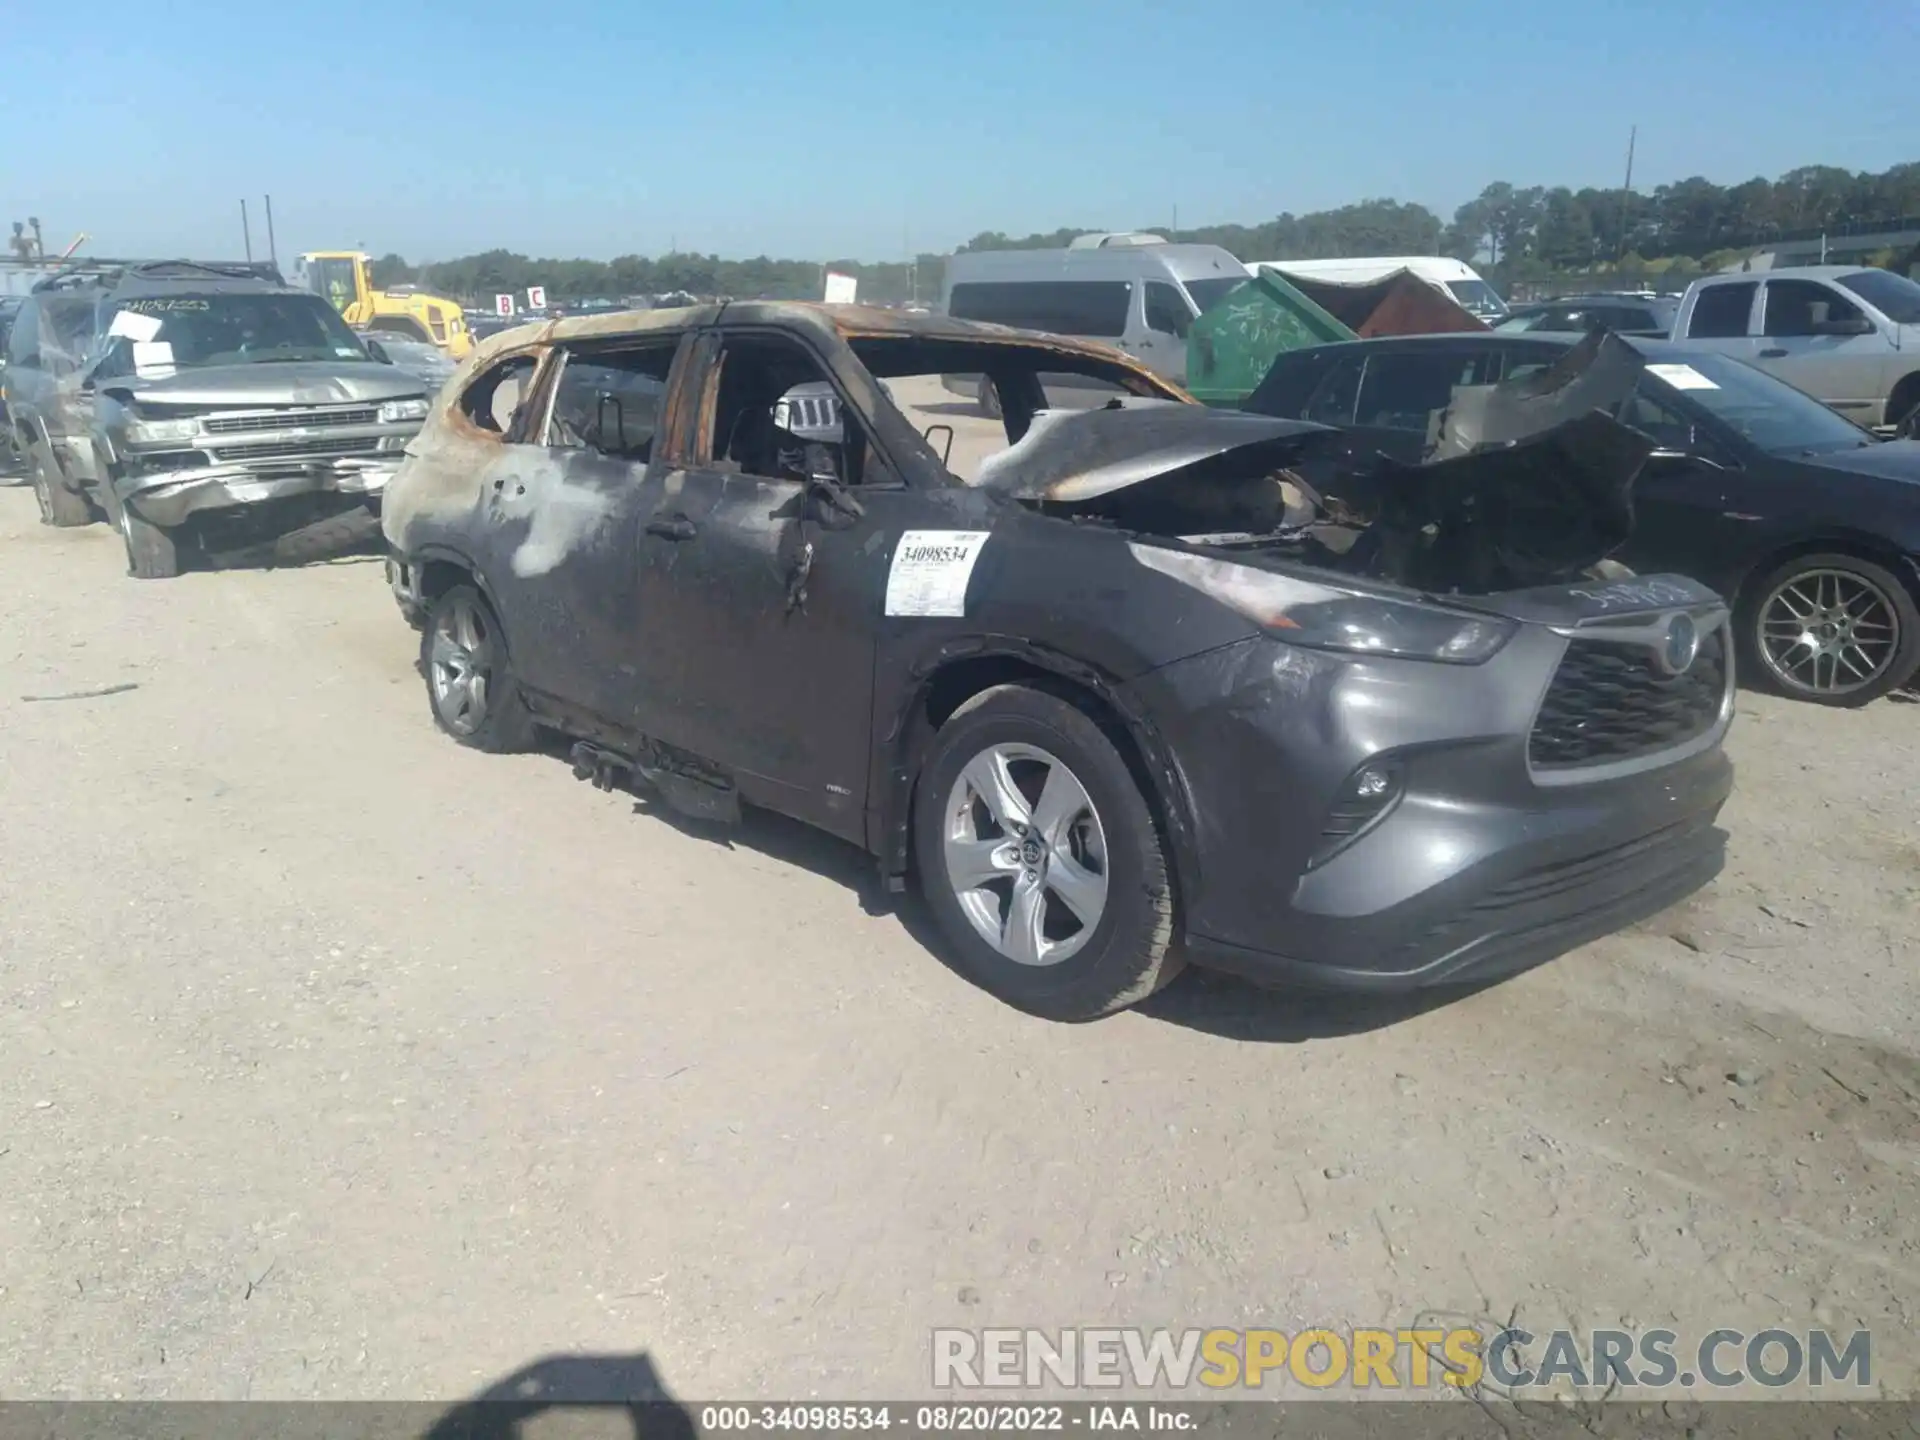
(345, 279)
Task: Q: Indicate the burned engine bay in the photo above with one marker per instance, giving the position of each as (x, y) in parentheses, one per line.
(1525, 483)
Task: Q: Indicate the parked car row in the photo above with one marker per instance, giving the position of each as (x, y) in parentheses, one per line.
(1847, 335)
(1782, 502)
(1807, 524)
(200, 409)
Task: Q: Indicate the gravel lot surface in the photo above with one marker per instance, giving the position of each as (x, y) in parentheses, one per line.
(338, 1061)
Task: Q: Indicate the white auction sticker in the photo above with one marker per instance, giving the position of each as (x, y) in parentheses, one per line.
(930, 571)
(1682, 377)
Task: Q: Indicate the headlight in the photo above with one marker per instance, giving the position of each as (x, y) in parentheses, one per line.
(1326, 617)
(394, 411)
(158, 432)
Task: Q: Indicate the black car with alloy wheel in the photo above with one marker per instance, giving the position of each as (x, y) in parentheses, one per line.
(1806, 523)
(1115, 688)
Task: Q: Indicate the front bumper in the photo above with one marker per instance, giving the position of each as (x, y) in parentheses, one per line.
(169, 497)
(1474, 870)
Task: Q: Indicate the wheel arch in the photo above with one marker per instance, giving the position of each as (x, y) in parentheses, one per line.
(441, 567)
(1861, 545)
(951, 679)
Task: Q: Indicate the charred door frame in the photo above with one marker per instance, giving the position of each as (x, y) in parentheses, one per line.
(846, 564)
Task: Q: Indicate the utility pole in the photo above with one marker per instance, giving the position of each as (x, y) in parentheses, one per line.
(246, 231)
(1626, 195)
(273, 251)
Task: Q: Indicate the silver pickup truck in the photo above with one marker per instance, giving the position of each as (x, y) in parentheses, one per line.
(1847, 335)
(202, 409)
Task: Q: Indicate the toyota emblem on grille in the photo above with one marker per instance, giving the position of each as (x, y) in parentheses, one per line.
(1682, 645)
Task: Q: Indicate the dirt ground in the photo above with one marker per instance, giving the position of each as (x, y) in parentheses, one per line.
(337, 1061)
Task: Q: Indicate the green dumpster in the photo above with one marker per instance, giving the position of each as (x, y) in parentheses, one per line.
(1230, 348)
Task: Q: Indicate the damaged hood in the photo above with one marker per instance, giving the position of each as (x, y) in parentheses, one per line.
(1597, 374)
(300, 382)
(1526, 482)
(1074, 455)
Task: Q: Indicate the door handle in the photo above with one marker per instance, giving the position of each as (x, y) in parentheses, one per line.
(1773, 354)
(676, 527)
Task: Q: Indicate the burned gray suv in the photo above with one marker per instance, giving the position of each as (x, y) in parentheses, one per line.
(209, 409)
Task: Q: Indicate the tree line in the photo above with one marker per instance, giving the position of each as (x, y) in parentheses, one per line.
(1514, 232)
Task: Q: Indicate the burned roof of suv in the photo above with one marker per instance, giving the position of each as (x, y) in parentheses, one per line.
(849, 322)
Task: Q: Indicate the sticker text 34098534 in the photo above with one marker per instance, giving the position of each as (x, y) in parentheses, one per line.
(930, 571)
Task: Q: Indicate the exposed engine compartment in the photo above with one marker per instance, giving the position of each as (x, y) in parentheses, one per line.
(1527, 483)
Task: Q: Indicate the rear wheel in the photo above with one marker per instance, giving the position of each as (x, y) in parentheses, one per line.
(60, 505)
(1833, 630)
(1040, 858)
(470, 680)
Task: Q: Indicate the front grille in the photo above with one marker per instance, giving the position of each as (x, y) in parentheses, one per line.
(1610, 702)
(289, 420)
(299, 449)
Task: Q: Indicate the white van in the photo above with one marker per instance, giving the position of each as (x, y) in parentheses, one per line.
(1456, 277)
(1133, 291)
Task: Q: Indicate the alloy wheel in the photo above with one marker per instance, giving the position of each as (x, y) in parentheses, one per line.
(1026, 854)
(1828, 632)
(461, 663)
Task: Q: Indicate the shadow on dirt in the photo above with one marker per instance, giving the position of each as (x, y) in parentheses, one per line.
(1213, 1003)
(792, 843)
(1236, 1009)
(967, 409)
(354, 535)
(595, 1397)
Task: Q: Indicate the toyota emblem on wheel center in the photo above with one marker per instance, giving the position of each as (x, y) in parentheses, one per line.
(1682, 646)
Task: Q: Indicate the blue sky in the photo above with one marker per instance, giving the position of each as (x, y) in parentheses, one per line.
(857, 128)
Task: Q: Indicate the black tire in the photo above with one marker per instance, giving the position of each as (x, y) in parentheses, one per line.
(1892, 593)
(988, 399)
(60, 505)
(504, 724)
(327, 539)
(152, 552)
(1129, 952)
(1904, 414)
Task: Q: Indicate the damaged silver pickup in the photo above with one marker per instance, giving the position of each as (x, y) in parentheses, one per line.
(215, 410)
(168, 497)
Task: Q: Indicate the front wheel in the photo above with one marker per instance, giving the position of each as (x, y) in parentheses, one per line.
(1040, 858)
(470, 679)
(1833, 630)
